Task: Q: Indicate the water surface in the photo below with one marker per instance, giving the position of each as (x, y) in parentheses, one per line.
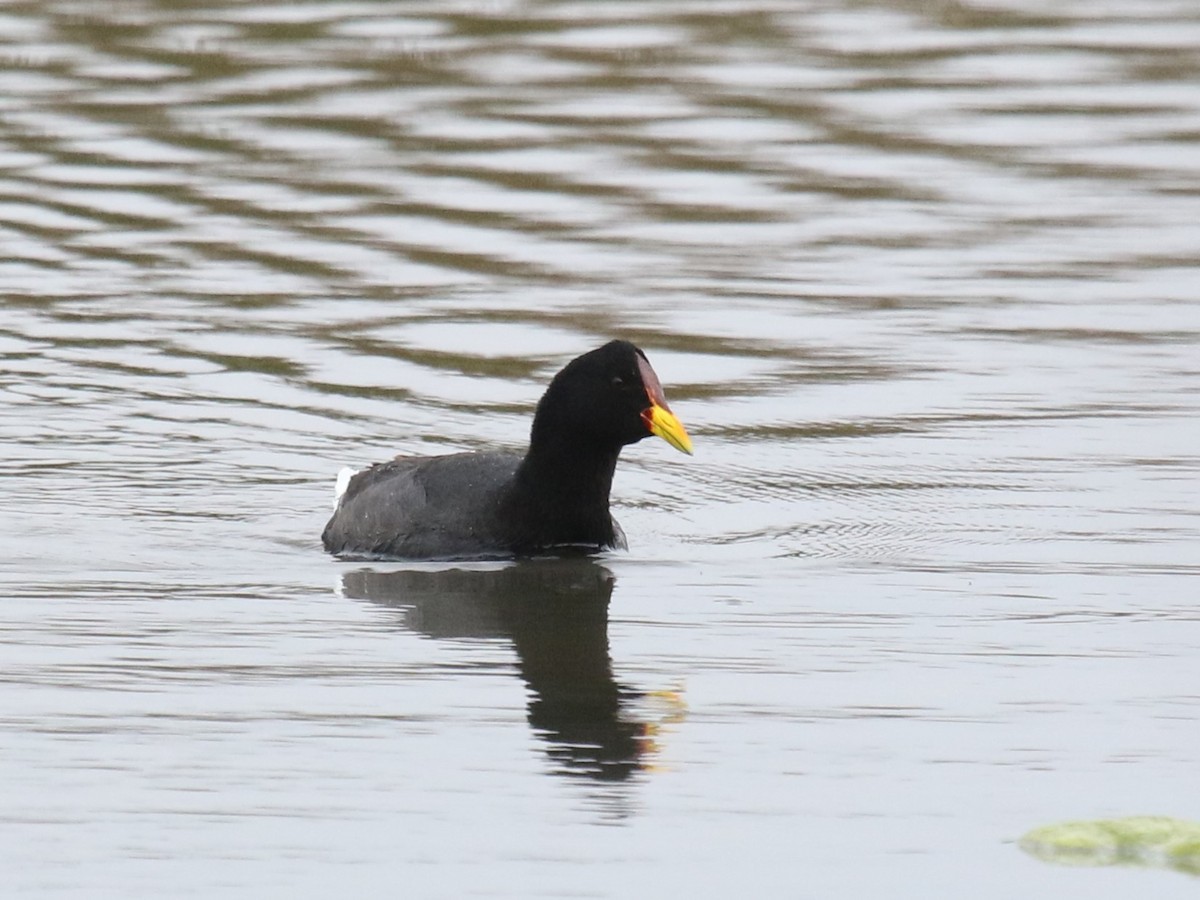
(919, 278)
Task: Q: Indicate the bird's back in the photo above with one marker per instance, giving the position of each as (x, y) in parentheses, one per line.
(425, 507)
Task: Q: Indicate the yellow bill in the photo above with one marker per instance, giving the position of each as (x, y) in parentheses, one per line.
(662, 422)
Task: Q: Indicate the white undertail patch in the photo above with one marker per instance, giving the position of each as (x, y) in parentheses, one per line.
(343, 482)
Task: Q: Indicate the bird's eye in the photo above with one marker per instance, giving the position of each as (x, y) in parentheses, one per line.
(618, 381)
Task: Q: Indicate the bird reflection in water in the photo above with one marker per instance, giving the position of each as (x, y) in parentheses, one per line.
(555, 611)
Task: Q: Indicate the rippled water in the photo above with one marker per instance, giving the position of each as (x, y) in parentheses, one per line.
(920, 278)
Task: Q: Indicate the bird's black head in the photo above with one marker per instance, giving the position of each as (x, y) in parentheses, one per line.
(606, 399)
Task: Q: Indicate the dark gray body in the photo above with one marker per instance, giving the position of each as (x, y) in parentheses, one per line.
(459, 506)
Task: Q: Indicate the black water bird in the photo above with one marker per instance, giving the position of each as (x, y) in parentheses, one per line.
(497, 504)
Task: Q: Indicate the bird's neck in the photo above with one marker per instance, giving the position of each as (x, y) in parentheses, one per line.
(568, 482)
(580, 475)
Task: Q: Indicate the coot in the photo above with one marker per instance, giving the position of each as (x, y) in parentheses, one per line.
(495, 504)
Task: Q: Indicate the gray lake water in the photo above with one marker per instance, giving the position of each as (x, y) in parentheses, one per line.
(921, 278)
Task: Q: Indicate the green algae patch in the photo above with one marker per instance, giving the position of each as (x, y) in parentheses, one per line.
(1157, 841)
